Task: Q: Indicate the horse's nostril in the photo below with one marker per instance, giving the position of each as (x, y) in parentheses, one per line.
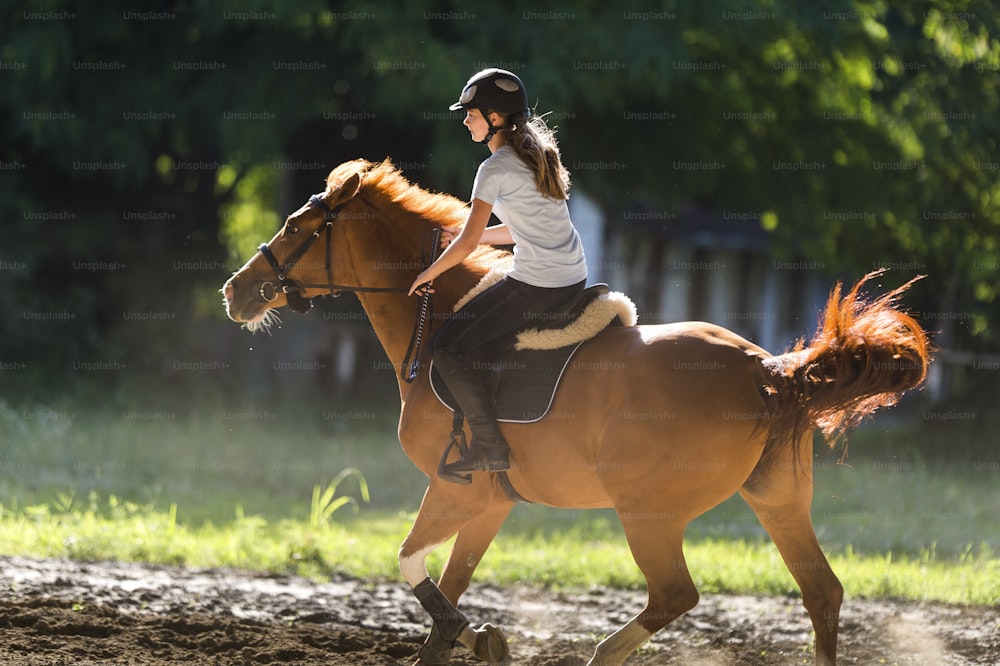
(227, 291)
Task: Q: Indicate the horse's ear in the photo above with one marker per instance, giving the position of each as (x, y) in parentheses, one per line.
(347, 190)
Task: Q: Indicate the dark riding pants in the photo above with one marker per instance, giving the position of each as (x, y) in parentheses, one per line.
(506, 307)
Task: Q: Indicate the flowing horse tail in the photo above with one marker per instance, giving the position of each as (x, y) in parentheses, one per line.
(864, 356)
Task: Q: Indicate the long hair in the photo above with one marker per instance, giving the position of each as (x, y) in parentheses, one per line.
(535, 143)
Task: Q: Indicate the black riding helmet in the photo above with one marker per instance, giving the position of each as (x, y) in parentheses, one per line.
(494, 90)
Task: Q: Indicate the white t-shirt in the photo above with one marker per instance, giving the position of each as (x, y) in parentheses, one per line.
(548, 251)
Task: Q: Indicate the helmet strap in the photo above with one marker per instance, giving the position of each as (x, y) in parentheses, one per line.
(489, 124)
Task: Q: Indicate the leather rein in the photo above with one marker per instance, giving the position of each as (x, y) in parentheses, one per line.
(294, 290)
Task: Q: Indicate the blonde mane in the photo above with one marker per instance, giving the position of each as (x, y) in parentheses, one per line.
(383, 182)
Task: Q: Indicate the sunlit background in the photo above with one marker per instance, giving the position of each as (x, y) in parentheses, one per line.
(730, 162)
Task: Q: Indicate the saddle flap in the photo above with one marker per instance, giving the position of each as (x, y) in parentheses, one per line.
(522, 384)
(524, 376)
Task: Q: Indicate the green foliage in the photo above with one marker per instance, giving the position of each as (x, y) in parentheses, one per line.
(248, 219)
(859, 134)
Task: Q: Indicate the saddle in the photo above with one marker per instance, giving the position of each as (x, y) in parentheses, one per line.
(522, 371)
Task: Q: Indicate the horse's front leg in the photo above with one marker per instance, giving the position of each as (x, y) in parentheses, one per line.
(444, 512)
(488, 643)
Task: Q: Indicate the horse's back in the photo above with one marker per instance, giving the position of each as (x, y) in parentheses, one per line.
(695, 333)
(687, 354)
(688, 376)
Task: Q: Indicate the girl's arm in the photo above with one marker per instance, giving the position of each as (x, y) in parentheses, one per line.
(498, 234)
(461, 247)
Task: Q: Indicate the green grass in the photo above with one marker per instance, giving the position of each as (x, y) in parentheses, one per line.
(266, 458)
(250, 488)
(590, 553)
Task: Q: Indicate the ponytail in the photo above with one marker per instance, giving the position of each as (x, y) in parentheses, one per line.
(536, 145)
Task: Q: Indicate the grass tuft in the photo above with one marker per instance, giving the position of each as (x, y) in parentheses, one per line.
(325, 503)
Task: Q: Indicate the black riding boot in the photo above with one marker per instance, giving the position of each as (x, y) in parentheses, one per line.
(488, 451)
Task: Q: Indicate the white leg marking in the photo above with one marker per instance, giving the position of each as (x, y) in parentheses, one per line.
(414, 567)
(616, 648)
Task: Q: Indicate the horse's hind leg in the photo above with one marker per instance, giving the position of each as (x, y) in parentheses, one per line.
(781, 496)
(656, 542)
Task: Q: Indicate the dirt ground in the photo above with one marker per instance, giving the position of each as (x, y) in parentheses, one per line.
(57, 612)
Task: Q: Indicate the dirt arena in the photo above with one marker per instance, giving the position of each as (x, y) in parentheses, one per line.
(57, 612)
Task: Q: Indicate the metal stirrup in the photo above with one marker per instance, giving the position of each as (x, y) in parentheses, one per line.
(457, 439)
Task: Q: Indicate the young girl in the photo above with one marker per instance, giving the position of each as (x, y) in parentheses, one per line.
(525, 184)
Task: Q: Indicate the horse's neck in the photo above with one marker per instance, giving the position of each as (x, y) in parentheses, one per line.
(394, 316)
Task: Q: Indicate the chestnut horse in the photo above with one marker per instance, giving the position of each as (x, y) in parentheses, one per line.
(668, 420)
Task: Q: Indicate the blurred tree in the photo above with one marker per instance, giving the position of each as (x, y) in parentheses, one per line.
(860, 133)
(146, 152)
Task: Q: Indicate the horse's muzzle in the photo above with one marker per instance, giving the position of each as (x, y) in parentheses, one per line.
(244, 305)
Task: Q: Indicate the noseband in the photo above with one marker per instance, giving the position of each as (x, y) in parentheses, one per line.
(294, 290)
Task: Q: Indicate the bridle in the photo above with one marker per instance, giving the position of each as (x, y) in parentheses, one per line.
(294, 290)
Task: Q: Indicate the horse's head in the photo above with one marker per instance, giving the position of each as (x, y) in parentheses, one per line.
(295, 265)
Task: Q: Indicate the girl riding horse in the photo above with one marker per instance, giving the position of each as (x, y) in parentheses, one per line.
(525, 184)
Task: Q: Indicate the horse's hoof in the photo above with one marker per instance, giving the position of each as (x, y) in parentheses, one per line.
(491, 645)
